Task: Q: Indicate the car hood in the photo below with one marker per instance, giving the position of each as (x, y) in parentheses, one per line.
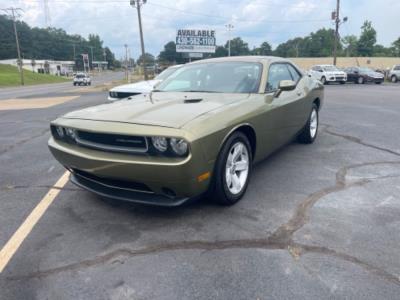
(161, 109)
(374, 74)
(137, 87)
(336, 73)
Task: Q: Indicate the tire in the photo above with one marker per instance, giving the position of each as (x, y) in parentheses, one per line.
(323, 80)
(223, 189)
(310, 130)
(378, 82)
(360, 80)
(74, 84)
(394, 78)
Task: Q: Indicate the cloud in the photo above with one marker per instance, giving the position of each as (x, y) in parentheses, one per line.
(255, 21)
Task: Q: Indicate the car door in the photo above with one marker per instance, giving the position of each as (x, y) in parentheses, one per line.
(350, 74)
(286, 113)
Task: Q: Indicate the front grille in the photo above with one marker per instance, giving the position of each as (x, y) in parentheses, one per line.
(121, 95)
(339, 78)
(112, 142)
(114, 183)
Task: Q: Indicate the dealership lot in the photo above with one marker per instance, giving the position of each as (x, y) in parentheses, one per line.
(317, 221)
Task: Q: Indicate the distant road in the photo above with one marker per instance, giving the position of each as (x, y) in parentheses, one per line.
(32, 90)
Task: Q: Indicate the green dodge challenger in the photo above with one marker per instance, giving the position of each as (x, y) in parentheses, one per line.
(198, 133)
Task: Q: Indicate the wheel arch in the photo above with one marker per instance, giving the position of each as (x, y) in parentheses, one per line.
(317, 102)
(248, 130)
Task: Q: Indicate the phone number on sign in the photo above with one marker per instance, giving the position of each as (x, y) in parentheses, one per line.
(200, 41)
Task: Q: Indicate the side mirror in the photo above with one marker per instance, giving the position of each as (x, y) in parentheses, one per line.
(284, 86)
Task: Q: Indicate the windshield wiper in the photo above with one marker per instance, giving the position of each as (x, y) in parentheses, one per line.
(197, 91)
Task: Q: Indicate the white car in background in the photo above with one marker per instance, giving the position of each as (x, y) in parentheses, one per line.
(394, 74)
(142, 87)
(82, 79)
(328, 73)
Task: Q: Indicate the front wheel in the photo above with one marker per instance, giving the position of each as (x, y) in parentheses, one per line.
(323, 80)
(232, 171)
(360, 80)
(310, 130)
(394, 79)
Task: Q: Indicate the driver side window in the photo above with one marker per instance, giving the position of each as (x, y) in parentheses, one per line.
(276, 73)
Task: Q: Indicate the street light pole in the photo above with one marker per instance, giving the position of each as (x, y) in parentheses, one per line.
(338, 22)
(13, 11)
(91, 51)
(138, 4)
(229, 27)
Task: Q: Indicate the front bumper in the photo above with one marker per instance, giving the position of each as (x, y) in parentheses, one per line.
(336, 78)
(161, 181)
(124, 194)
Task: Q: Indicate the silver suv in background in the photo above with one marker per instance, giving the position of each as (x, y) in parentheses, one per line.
(82, 79)
(394, 74)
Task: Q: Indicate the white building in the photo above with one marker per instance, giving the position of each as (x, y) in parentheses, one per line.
(53, 67)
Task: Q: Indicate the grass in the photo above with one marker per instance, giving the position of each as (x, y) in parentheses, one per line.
(9, 76)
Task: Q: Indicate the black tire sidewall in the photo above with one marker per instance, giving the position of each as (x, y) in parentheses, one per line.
(222, 194)
(305, 135)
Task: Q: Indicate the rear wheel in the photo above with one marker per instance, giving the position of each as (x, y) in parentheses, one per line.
(310, 130)
(232, 170)
(360, 80)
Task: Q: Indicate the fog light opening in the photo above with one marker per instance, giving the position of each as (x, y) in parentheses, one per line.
(168, 192)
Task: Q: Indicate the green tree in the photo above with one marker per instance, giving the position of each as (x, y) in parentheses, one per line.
(238, 47)
(264, 49)
(149, 59)
(367, 40)
(396, 47)
(220, 51)
(350, 43)
(169, 54)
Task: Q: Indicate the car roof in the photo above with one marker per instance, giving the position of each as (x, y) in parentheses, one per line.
(326, 65)
(241, 59)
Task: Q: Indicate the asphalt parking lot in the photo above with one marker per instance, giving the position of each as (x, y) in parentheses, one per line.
(318, 221)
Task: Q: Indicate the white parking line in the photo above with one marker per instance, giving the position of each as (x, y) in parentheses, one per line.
(26, 227)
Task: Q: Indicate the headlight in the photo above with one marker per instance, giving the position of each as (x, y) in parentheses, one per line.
(179, 146)
(71, 133)
(160, 143)
(60, 131)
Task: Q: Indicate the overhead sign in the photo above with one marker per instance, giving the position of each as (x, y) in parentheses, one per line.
(194, 40)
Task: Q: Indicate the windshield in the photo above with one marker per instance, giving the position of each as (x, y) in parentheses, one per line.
(80, 76)
(219, 77)
(366, 70)
(330, 68)
(164, 74)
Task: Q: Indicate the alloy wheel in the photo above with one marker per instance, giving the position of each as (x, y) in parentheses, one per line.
(237, 168)
(313, 123)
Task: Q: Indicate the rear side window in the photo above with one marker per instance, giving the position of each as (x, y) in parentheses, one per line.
(276, 73)
(295, 74)
(397, 68)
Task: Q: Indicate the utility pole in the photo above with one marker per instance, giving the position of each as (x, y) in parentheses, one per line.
(138, 4)
(229, 27)
(91, 51)
(73, 45)
(126, 61)
(338, 22)
(14, 12)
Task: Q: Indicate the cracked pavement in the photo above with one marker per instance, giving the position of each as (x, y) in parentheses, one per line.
(318, 221)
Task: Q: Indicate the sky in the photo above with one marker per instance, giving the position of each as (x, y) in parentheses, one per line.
(255, 21)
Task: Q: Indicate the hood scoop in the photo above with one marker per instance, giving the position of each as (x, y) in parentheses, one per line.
(192, 100)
